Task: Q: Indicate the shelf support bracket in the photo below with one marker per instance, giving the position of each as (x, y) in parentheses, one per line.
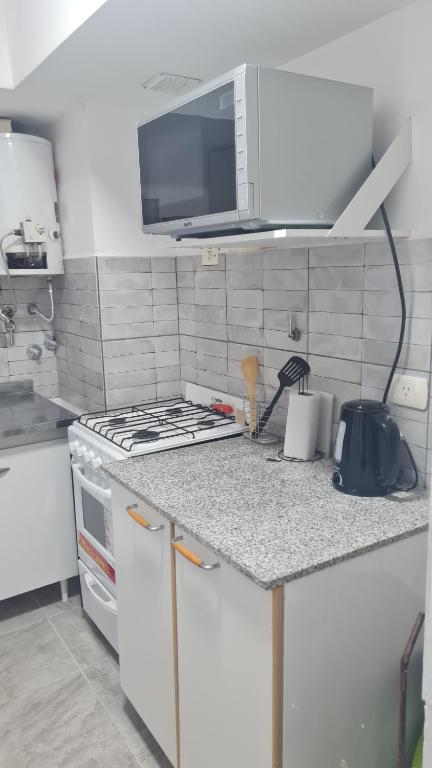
(377, 186)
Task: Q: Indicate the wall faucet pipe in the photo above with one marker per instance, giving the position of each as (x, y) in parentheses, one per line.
(6, 318)
(33, 309)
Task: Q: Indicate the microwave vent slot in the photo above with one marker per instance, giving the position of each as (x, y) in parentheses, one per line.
(172, 84)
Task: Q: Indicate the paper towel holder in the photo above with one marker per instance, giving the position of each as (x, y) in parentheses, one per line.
(318, 456)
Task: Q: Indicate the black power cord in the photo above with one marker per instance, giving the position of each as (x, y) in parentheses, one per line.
(402, 329)
(401, 295)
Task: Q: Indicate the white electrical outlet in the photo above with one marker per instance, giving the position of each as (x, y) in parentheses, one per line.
(410, 391)
(209, 257)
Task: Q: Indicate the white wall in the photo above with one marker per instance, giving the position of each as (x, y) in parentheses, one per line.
(37, 27)
(72, 167)
(394, 56)
(113, 152)
(5, 64)
(96, 159)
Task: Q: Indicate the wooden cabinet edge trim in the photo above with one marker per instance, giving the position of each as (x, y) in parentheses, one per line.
(175, 643)
(277, 675)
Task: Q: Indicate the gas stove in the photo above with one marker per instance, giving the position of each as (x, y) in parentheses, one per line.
(98, 438)
(150, 427)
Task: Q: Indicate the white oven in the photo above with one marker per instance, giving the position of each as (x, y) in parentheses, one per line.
(95, 548)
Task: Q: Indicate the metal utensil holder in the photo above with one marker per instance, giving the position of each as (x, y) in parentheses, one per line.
(264, 437)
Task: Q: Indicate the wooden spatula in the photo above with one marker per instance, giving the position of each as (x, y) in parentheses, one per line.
(250, 368)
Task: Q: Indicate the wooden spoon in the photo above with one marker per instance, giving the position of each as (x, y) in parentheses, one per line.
(250, 368)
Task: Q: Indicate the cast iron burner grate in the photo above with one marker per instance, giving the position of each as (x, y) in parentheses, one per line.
(145, 435)
(154, 422)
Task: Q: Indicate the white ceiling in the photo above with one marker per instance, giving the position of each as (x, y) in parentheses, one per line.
(127, 41)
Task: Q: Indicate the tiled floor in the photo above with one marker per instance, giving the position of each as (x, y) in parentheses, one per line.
(61, 705)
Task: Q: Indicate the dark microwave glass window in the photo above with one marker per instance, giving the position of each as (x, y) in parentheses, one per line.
(94, 517)
(187, 159)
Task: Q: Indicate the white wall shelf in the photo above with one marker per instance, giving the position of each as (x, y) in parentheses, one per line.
(284, 238)
(350, 226)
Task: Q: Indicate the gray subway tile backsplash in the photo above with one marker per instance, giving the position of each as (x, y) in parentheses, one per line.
(295, 301)
(347, 339)
(128, 280)
(124, 264)
(127, 298)
(336, 323)
(210, 279)
(336, 278)
(243, 316)
(287, 279)
(345, 347)
(244, 335)
(210, 296)
(244, 279)
(163, 280)
(344, 302)
(252, 299)
(134, 328)
(291, 258)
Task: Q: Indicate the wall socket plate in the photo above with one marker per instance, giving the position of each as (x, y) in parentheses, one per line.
(210, 257)
(410, 391)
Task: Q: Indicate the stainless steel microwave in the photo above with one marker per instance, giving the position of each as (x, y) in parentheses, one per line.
(256, 149)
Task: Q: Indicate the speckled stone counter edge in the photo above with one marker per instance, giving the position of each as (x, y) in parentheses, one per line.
(265, 584)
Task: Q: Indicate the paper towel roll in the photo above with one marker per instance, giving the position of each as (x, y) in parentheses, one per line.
(302, 425)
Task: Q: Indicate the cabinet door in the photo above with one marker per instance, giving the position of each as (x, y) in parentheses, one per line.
(143, 573)
(225, 665)
(37, 523)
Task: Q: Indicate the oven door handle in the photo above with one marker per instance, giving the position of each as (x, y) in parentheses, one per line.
(95, 490)
(108, 605)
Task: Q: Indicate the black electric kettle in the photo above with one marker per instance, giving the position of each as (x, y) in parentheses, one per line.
(371, 456)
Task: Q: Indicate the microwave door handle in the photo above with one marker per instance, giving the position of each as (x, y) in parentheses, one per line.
(108, 605)
(95, 490)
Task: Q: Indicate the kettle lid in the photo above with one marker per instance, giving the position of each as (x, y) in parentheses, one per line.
(366, 406)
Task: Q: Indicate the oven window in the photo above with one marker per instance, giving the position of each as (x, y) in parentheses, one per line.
(94, 517)
(187, 159)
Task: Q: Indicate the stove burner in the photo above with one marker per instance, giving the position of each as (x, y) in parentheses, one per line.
(205, 423)
(146, 435)
(168, 423)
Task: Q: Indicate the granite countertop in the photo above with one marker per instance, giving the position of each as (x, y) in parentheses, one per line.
(24, 413)
(275, 522)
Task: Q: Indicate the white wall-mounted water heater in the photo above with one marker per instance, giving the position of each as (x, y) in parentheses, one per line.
(30, 237)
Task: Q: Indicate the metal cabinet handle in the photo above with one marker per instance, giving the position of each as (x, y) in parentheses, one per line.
(4, 470)
(141, 520)
(195, 559)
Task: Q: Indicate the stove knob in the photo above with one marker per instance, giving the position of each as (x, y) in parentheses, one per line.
(73, 446)
(80, 451)
(89, 455)
(96, 463)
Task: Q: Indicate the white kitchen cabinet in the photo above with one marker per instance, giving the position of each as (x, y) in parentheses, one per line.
(345, 631)
(37, 524)
(225, 665)
(304, 675)
(146, 649)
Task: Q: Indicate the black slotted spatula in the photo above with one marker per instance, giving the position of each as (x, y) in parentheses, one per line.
(294, 370)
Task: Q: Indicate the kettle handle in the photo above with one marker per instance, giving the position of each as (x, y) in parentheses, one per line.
(392, 438)
(414, 466)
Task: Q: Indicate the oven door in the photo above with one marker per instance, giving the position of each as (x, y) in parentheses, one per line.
(94, 523)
